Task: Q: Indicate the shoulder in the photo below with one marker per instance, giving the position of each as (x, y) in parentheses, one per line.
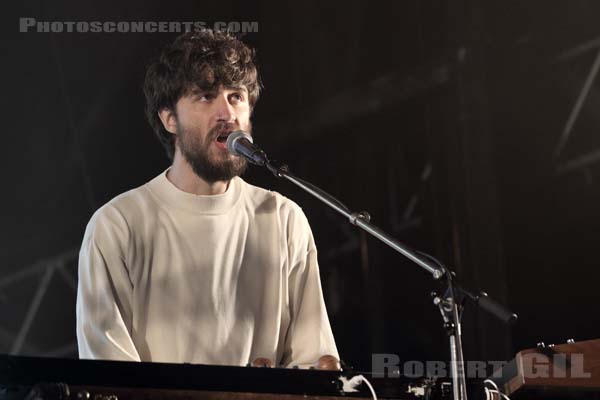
(269, 201)
(290, 216)
(118, 216)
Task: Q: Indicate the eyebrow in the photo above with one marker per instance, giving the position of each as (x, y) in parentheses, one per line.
(238, 88)
(197, 91)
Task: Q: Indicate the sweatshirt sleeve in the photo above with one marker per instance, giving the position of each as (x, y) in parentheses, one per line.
(105, 291)
(309, 335)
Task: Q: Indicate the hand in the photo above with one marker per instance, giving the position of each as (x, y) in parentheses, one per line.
(262, 362)
(328, 363)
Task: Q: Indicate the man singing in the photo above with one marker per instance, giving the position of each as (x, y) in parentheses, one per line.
(197, 265)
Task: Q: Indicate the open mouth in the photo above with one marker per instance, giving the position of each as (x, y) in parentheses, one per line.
(222, 138)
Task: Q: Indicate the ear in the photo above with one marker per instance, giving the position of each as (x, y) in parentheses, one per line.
(168, 119)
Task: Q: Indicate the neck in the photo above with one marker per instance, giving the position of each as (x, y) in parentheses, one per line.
(184, 178)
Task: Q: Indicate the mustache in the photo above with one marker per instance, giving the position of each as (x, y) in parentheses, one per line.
(220, 129)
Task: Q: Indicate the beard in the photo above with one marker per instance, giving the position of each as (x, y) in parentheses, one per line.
(213, 167)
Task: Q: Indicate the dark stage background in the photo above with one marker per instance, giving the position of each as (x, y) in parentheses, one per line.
(446, 120)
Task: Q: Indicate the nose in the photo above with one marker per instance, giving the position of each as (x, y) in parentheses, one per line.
(224, 110)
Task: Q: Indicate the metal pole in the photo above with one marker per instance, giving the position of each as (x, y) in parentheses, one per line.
(362, 220)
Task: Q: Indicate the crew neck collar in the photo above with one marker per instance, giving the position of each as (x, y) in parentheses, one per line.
(170, 194)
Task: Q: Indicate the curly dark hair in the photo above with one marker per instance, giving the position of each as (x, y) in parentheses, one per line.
(197, 60)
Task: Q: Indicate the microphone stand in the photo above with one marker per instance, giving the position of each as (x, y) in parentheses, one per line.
(448, 305)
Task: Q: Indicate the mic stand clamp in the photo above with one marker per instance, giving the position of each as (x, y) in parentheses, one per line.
(450, 306)
(362, 215)
(278, 171)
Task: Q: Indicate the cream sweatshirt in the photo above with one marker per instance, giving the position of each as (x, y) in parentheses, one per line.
(168, 276)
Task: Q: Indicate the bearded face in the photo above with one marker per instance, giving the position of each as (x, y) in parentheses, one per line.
(207, 153)
(201, 122)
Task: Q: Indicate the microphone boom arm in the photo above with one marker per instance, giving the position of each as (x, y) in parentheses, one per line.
(360, 219)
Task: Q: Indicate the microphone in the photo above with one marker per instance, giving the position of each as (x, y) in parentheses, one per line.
(239, 143)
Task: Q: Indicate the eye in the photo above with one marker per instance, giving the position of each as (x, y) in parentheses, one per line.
(236, 97)
(204, 97)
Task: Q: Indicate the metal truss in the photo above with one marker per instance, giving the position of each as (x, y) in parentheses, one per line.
(47, 269)
(43, 270)
(582, 161)
(358, 101)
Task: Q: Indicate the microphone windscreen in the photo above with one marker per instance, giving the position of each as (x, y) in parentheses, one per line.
(234, 137)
